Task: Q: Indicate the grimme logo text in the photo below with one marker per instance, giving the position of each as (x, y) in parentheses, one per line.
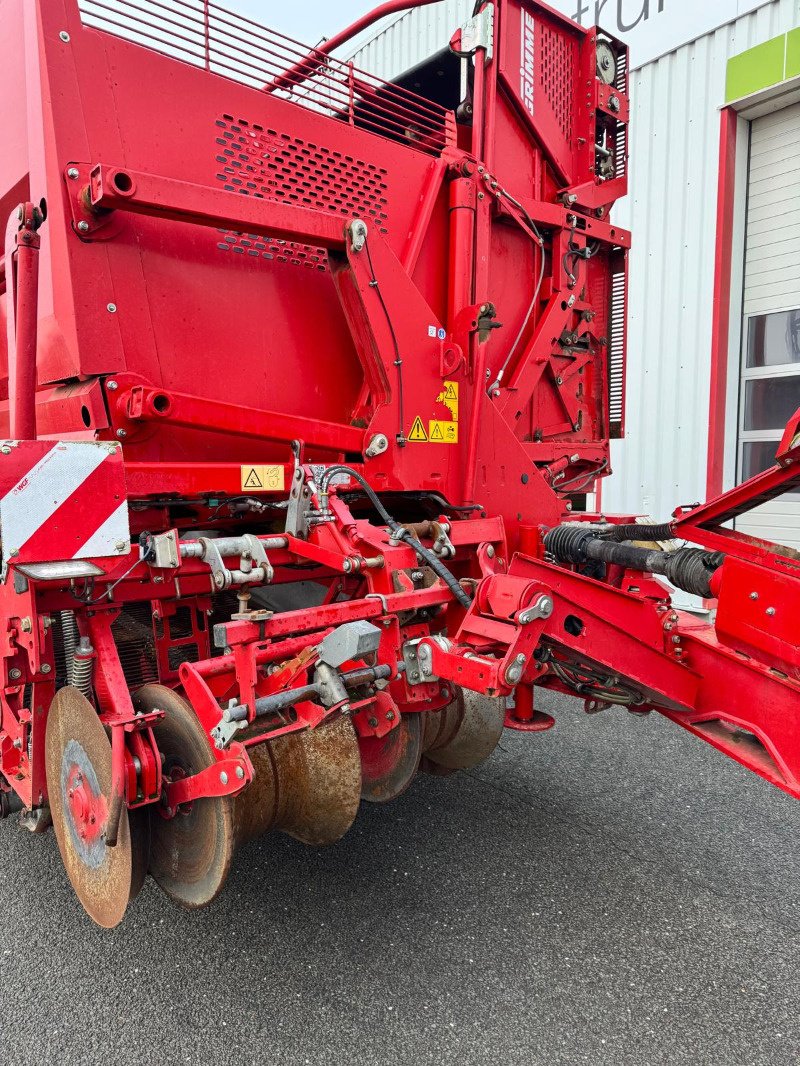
(526, 69)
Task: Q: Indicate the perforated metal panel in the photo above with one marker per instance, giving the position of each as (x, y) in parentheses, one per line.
(272, 165)
(557, 73)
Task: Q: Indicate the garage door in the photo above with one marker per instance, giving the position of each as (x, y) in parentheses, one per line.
(770, 385)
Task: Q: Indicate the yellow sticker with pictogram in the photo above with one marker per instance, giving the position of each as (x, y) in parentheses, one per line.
(442, 432)
(449, 397)
(418, 431)
(260, 478)
(439, 431)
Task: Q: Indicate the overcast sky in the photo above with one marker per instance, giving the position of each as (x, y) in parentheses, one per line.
(305, 20)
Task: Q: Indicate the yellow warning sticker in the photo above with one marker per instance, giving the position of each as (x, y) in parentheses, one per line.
(418, 431)
(443, 432)
(449, 397)
(263, 478)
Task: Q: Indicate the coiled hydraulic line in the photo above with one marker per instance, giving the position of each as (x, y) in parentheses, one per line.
(690, 569)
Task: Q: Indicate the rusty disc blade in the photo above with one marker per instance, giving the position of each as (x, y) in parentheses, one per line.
(389, 763)
(466, 732)
(318, 776)
(190, 853)
(78, 765)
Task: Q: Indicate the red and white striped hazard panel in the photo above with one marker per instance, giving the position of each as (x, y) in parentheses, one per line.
(62, 500)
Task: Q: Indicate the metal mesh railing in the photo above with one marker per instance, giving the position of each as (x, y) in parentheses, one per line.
(223, 42)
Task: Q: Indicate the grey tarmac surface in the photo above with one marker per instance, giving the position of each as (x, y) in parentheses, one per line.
(613, 891)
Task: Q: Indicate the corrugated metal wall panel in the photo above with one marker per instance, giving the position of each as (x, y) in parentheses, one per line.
(411, 38)
(672, 212)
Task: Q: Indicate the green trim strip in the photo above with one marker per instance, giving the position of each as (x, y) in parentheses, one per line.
(765, 65)
(793, 53)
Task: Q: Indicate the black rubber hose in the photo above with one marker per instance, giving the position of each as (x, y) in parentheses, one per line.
(398, 532)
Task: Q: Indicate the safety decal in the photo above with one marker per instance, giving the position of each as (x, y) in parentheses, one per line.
(418, 431)
(449, 397)
(439, 430)
(443, 432)
(262, 478)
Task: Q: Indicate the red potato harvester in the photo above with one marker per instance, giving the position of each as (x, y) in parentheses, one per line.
(309, 377)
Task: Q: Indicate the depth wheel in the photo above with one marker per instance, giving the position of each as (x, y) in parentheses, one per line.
(190, 853)
(78, 768)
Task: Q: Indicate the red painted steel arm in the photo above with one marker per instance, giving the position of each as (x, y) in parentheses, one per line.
(195, 412)
(22, 285)
(113, 188)
(304, 68)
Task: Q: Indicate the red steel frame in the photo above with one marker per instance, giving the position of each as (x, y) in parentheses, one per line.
(405, 329)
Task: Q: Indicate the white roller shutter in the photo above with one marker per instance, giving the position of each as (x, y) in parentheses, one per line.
(770, 385)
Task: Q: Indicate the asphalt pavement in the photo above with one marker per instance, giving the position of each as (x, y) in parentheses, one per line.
(613, 891)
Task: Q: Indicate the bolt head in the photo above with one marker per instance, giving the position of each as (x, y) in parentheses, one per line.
(373, 722)
(111, 308)
(490, 552)
(83, 227)
(64, 36)
(770, 611)
(112, 386)
(753, 595)
(121, 434)
(73, 173)
(46, 668)
(223, 777)
(240, 773)
(15, 674)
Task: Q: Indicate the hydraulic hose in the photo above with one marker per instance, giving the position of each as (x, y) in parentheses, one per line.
(690, 569)
(398, 532)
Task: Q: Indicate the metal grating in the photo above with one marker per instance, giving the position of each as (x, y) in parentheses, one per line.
(556, 74)
(223, 42)
(271, 165)
(616, 351)
(621, 133)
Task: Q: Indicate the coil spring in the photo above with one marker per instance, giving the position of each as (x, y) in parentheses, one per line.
(83, 668)
(70, 636)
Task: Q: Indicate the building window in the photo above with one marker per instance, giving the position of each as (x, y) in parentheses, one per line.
(770, 387)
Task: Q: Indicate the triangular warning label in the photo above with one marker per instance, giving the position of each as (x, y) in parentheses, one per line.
(436, 431)
(418, 431)
(252, 481)
(450, 392)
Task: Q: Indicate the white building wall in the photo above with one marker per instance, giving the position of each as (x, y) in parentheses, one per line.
(671, 210)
